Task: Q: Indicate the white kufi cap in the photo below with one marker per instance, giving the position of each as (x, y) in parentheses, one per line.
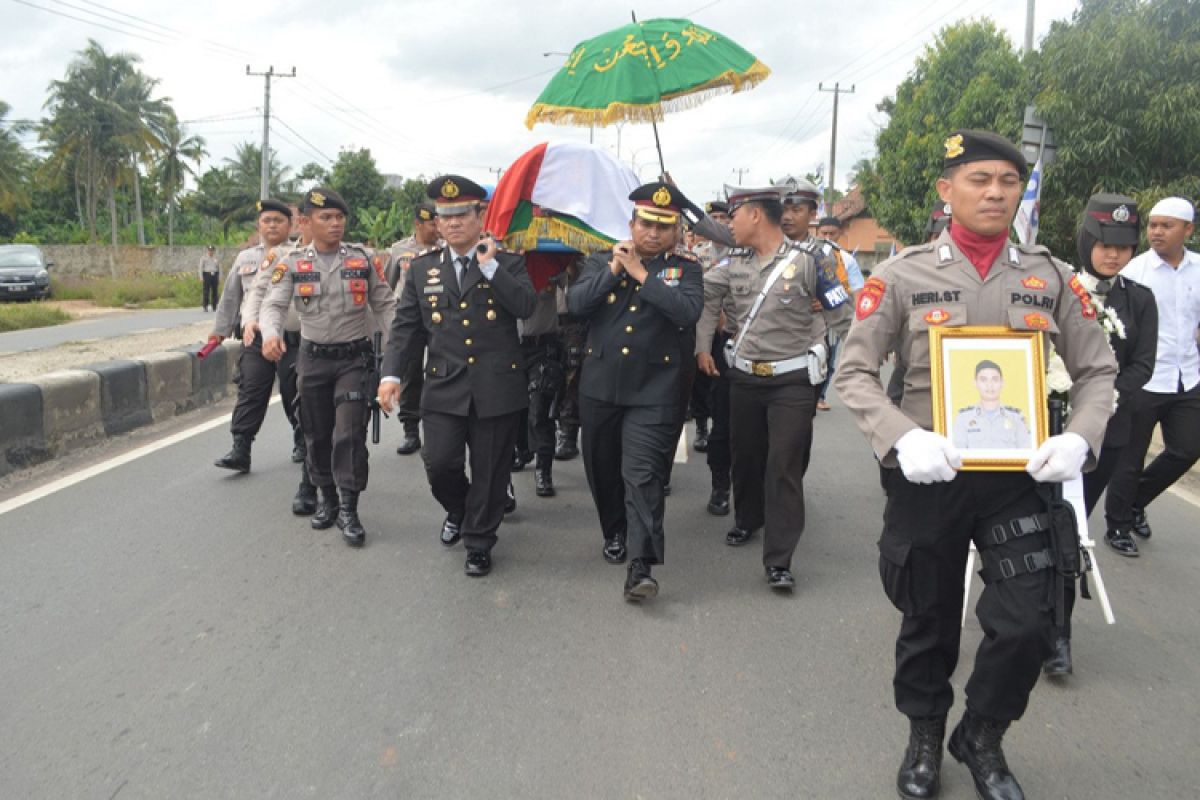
(1175, 207)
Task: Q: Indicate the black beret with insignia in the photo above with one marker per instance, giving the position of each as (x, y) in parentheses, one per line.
(658, 202)
(455, 194)
(274, 205)
(424, 212)
(320, 198)
(966, 146)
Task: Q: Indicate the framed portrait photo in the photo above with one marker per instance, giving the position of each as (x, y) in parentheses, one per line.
(989, 394)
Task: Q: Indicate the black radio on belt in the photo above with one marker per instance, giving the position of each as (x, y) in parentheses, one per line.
(339, 350)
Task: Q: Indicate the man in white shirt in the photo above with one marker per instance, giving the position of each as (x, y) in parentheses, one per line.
(1172, 396)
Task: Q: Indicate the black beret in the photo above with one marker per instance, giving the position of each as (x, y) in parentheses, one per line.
(832, 222)
(320, 198)
(1112, 219)
(425, 212)
(717, 207)
(658, 202)
(274, 205)
(966, 146)
(455, 194)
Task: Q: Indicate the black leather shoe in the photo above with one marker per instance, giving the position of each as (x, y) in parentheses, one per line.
(411, 442)
(452, 529)
(639, 585)
(1059, 665)
(718, 503)
(614, 550)
(920, 772)
(510, 499)
(976, 743)
(701, 442)
(327, 509)
(238, 458)
(304, 504)
(780, 578)
(1120, 541)
(299, 448)
(543, 482)
(565, 446)
(738, 537)
(347, 520)
(478, 564)
(521, 458)
(1141, 525)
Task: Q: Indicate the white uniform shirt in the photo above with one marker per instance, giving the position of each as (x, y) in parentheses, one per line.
(1177, 294)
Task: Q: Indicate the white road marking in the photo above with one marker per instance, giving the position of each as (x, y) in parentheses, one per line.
(99, 469)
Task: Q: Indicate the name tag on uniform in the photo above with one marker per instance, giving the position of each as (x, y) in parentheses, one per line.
(437, 289)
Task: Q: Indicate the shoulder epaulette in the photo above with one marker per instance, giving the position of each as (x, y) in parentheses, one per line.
(1015, 410)
(687, 256)
(812, 247)
(362, 248)
(965, 409)
(437, 248)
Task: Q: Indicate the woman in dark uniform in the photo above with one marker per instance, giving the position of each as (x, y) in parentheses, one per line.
(1106, 242)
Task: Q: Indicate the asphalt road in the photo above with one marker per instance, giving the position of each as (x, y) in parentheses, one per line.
(106, 327)
(170, 630)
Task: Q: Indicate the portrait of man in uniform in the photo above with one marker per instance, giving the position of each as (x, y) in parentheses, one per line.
(991, 387)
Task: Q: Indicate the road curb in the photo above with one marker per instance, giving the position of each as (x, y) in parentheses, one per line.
(54, 414)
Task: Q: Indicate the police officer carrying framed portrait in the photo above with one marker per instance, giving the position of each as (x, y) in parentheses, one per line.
(461, 301)
(972, 275)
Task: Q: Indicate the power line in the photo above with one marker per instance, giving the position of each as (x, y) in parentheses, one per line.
(174, 31)
(312, 147)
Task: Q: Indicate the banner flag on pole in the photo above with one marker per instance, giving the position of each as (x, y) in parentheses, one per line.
(1025, 225)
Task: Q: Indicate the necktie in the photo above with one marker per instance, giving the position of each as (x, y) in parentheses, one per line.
(460, 268)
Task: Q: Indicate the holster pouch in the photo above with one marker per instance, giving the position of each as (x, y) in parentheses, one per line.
(818, 363)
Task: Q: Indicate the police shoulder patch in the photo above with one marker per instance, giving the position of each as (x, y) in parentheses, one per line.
(870, 298)
(279, 272)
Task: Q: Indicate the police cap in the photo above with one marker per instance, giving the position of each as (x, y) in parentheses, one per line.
(716, 207)
(799, 191)
(274, 205)
(1112, 219)
(455, 195)
(966, 146)
(322, 198)
(740, 195)
(658, 202)
(424, 212)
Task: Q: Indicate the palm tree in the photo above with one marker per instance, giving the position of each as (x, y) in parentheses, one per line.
(14, 164)
(173, 166)
(147, 121)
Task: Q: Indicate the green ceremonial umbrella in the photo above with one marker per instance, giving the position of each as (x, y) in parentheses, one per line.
(638, 72)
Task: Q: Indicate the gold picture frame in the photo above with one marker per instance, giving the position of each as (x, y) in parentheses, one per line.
(989, 394)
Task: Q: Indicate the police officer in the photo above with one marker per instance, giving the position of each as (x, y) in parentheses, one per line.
(988, 424)
(776, 359)
(424, 237)
(462, 301)
(636, 300)
(972, 275)
(332, 285)
(573, 333)
(800, 200)
(707, 252)
(542, 351)
(256, 375)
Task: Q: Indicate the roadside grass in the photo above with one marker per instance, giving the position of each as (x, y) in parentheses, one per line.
(19, 316)
(139, 291)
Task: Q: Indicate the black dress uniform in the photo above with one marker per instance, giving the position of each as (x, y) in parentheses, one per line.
(475, 385)
(629, 391)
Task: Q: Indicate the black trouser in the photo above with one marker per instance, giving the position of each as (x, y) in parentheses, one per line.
(719, 459)
(211, 279)
(481, 499)
(771, 433)
(573, 332)
(256, 378)
(626, 452)
(544, 372)
(412, 382)
(334, 422)
(683, 398)
(701, 399)
(923, 553)
(833, 346)
(1134, 487)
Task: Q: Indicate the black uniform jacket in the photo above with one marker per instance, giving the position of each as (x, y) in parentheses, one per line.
(1136, 353)
(471, 332)
(633, 356)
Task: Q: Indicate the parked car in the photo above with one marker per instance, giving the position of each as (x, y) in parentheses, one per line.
(23, 272)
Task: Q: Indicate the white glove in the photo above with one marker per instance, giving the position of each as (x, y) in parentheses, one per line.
(927, 457)
(1059, 459)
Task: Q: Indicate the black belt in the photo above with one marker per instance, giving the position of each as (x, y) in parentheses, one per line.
(338, 350)
(540, 339)
(570, 319)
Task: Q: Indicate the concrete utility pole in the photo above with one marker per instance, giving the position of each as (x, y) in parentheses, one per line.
(264, 180)
(1029, 26)
(740, 172)
(829, 179)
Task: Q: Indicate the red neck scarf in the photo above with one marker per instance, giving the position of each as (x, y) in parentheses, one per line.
(981, 251)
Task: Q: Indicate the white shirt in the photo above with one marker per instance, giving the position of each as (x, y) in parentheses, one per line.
(1177, 294)
(488, 269)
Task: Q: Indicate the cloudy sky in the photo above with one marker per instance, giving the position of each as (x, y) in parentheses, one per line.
(444, 87)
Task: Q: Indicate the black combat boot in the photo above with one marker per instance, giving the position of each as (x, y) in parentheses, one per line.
(566, 444)
(352, 530)
(614, 549)
(520, 459)
(510, 499)
(976, 743)
(412, 439)
(638, 583)
(238, 458)
(299, 448)
(304, 504)
(718, 501)
(920, 772)
(543, 480)
(327, 509)
(1141, 525)
(1059, 664)
(701, 443)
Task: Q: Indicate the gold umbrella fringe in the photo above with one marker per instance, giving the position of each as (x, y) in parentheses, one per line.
(725, 83)
(551, 228)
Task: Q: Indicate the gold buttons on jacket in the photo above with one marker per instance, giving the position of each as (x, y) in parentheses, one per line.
(436, 317)
(467, 342)
(667, 359)
(491, 315)
(633, 308)
(624, 283)
(491, 302)
(629, 329)
(463, 304)
(624, 351)
(466, 323)
(471, 359)
(612, 298)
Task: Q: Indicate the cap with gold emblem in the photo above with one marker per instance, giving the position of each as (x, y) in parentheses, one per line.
(321, 198)
(454, 195)
(274, 205)
(658, 202)
(424, 212)
(740, 195)
(966, 146)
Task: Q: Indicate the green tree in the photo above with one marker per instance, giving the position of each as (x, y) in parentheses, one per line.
(1123, 100)
(148, 119)
(16, 163)
(379, 228)
(360, 183)
(178, 152)
(218, 196)
(970, 77)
